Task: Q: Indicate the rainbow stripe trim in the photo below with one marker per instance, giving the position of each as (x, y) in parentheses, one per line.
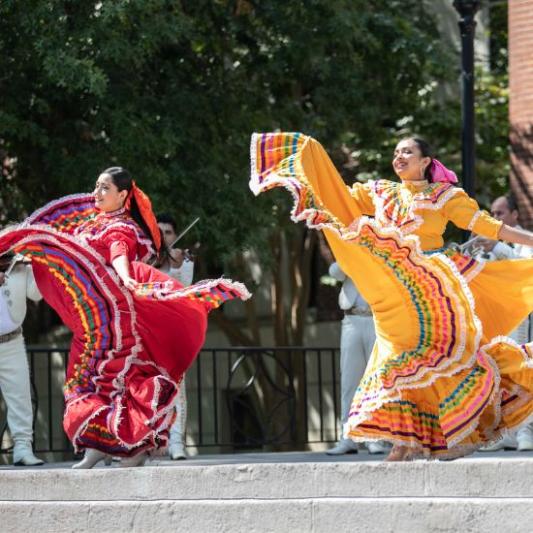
(393, 210)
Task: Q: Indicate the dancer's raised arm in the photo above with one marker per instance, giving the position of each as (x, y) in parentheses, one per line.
(516, 235)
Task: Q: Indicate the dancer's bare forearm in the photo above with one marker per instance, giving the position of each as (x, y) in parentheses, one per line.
(516, 235)
(121, 265)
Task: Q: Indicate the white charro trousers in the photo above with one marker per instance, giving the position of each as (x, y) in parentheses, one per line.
(184, 275)
(15, 387)
(357, 341)
(177, 430)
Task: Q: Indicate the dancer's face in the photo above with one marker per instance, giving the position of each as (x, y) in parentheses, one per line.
(408, 162)
(169, 234)
(107, 197)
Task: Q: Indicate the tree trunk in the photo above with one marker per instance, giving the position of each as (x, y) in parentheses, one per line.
(278, 245)
(300, 266)
(301, 261)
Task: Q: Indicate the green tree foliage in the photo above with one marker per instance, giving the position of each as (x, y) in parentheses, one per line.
(437, 117)
(438, 120)
(172, 90)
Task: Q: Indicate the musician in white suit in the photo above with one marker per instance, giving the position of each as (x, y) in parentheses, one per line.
(179, 265)
(357, 341)
(15, 287)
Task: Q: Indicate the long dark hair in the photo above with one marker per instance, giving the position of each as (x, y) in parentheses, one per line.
(124, 182)
(426, 151)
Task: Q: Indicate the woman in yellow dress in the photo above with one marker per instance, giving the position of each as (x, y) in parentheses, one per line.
(443, 379)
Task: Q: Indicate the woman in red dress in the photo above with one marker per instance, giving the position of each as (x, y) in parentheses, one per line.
(135, 330)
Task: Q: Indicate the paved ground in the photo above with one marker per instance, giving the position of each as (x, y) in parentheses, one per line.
(282, 457)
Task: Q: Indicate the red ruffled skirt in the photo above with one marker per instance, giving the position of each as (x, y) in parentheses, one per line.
(129, 350)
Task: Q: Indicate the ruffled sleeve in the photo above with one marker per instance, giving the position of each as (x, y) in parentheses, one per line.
(121, 242)
(361, 193)
(465, 213)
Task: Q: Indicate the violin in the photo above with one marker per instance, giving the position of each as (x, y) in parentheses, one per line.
(472, 249)
(159, 260)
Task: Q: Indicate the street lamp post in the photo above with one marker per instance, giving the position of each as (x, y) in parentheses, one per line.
(467, 10)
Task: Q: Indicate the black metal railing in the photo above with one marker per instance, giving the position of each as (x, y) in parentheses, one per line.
(238, 398)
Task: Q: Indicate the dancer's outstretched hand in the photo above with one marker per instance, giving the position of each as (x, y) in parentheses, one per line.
(130, 283)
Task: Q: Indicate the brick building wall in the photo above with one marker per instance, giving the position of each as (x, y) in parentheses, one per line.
(521, 105)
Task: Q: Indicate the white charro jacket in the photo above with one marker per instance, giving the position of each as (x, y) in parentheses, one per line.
(19, 285)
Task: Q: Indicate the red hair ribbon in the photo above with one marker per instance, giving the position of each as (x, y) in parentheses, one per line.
(147, 214)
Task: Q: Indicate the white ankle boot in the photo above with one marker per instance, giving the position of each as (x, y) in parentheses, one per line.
(176, 451)
(343, 447)
(136, 460)
(90, 459)
(23, 455)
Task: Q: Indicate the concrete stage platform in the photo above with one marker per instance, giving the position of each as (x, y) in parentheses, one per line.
(274, 492)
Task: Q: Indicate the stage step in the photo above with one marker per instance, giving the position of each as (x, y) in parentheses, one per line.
(274, 492)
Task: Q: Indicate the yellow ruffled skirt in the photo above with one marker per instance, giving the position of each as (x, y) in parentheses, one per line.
(442, 378)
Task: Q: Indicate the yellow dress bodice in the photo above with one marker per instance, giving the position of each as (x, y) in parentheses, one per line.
(423, 209)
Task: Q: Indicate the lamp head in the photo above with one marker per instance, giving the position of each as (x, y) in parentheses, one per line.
(466, 7)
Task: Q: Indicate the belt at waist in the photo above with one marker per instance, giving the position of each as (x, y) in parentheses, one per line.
(10, 336)
(358, 311)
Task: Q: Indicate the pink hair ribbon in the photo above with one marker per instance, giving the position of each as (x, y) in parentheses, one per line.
(439, 173)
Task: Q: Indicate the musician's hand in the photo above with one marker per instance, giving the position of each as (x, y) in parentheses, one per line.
(188, 255)
(487, 244)
(177, 256)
